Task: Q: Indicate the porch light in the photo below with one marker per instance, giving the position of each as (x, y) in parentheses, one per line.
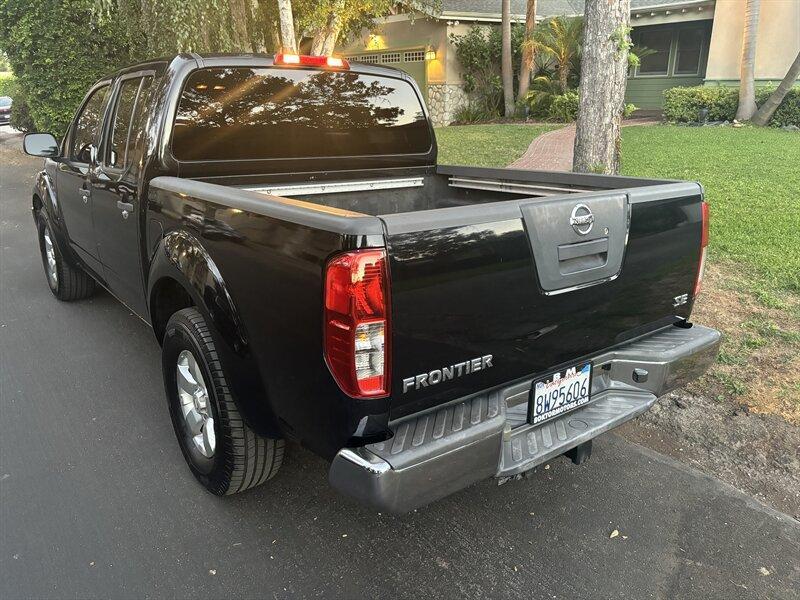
(430, 54)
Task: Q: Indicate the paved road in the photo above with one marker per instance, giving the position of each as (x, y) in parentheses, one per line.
(96, 500)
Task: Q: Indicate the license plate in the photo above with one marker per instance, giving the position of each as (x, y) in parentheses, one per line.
(560, 392)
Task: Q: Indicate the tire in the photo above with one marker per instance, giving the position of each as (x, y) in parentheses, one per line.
(68, 282)
(240, 459)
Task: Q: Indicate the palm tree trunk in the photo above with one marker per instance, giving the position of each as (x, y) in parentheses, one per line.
(526, 66)
(602, 91)
(764, 114)
(508, 75)
(563, 76)
(747, 84)
(288, 43)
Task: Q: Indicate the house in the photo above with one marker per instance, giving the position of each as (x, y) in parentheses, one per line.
(695, 42)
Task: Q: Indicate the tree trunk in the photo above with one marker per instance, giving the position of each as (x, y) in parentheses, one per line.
(288, 43)
(324, 41)
(240, 34)
(526, 66)
(747, 74)
(604, 69)
(764, 114)
(508, 75)
(317, 43)
(260, 35)
(563, 77)
(332, 34)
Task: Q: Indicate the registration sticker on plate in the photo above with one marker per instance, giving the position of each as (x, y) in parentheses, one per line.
(560, 392)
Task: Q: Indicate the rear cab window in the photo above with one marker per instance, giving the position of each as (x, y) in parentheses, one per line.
(270, 113)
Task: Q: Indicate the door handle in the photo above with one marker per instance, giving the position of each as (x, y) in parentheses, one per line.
(125, 207)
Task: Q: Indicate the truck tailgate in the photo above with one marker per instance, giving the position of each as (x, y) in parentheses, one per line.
(530, 284)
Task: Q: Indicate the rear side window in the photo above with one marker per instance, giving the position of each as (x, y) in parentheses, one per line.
(122, 121)
(85, 133)
(136, 140)
(126, 140)
(241, 113)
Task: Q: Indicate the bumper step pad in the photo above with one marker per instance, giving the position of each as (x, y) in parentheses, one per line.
(526, 447)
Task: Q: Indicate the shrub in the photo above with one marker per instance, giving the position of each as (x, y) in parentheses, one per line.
(469, 113)
(479, 52)
(540, 97)
(682, 104)
(788, 113)
(564, 107)
(629, 110)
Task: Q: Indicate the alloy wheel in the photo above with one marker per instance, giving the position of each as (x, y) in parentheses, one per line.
(195, 404)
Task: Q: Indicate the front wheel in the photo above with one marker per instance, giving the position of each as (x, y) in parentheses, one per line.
(224, 454)
(67, 281)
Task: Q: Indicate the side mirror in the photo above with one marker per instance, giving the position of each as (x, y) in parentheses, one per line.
(40, 144)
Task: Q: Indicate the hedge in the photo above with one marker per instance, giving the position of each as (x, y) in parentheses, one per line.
(682, 104)
(57, 50)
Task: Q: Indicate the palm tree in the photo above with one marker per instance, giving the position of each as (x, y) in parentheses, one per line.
(747, 84)
(764, 114)
(505, 60)
(559, 40)
(526, 65)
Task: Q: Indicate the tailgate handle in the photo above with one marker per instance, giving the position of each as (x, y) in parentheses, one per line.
(581, 249)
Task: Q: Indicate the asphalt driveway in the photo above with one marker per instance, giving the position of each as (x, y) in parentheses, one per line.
(95, 499)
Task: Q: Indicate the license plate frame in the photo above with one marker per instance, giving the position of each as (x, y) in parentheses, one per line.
(562, 405)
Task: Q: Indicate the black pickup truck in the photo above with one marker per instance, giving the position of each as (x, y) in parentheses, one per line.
(313, 274)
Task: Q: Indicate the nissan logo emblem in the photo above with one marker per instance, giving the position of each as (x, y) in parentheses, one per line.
(581, 219)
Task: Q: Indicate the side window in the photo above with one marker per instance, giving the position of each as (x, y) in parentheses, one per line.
(85, 133)
(122, 121)
(126, 141)
(138, 134)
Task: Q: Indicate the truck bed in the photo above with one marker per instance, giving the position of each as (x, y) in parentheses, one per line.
(447, 187)
(482, 261)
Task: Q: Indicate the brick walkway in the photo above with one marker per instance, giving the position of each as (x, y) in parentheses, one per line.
(552, 151)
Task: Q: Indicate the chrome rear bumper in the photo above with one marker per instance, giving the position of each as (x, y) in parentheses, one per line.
(438, 452)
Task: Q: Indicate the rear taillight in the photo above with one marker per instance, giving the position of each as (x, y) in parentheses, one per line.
(357, 322)
(698, 282)
(329, 62)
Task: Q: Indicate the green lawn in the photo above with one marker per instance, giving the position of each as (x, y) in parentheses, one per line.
(485, 145)
(751, 177)
(752, 181)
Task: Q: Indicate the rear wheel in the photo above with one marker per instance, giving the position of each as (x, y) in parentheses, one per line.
(224, 454)
(67, 281)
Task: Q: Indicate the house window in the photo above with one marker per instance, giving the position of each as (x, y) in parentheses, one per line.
(690, 46)
(414, 56)
(368, 58)
(659, 41)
